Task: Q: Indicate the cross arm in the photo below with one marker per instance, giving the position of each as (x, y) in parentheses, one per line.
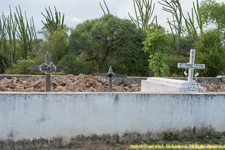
(44, 67)
(189, 66)
(120, 75)
(101, 74)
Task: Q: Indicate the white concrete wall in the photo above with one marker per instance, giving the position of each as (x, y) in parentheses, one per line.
(41, 115)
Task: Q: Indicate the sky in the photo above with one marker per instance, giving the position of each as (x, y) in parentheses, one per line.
(78, 11)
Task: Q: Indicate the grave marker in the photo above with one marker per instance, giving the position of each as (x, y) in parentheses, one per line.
(47, 67)
(191, 65)
(110, 74)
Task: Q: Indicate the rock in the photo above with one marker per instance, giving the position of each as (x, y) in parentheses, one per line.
(14, 79)
(61, 88)
(2, 88)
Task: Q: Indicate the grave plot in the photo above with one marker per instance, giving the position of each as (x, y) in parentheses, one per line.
(69, 83)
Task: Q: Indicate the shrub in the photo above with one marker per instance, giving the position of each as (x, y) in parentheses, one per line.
(172, 61)
(210, 51)
(21, 67)
(156, 44)
(3, 62)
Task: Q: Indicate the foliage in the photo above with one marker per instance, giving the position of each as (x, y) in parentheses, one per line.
(21, 67)
(105, 7)
(213, 12)
(110, 39)
(187, 43)
(3, 32)
(57, 45)
(171, 136)
(26, 31)
(210, 51)
(76, 64)
(190, 25)
(143, 12)
(172, 61)
(156, 44)
(175, 9)
(53, 22)
(3, 62)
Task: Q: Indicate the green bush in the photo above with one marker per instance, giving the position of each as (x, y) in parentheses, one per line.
(3, 62)
(157, 44)
(21, 67)
(172, 61)
(210, 51)
(76, 64)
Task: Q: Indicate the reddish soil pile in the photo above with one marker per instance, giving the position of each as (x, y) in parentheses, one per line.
(69, 83)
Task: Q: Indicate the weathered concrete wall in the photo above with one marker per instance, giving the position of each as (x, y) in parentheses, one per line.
(68, 115)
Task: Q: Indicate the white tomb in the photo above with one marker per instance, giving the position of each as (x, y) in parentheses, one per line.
(159, 85)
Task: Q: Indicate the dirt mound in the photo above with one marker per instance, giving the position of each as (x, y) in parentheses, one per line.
(69, 83)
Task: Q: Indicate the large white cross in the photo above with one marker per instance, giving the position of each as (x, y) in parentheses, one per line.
(191, 65)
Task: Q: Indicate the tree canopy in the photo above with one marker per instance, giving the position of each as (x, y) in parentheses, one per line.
(110, 41)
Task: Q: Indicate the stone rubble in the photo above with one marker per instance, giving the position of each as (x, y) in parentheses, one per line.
(69, 83)
(82, 83)
(214, 86)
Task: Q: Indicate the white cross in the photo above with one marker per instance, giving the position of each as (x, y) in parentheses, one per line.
(191, 65)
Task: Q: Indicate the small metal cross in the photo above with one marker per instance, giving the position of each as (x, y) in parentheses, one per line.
(191, 65)
(110, 74)
(46, 68)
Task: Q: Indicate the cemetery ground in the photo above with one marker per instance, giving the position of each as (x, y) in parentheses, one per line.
(169, 139)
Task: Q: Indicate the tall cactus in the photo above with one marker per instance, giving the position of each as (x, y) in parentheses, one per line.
(198, 16)
(26, 31)
(52, 22)
(3, 32)
(13, 31)
(173, 7)
(103, 8)
(143, 12)
(189, 22)
(31, 33)
(22, 32)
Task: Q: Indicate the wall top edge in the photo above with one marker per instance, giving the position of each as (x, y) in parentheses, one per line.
(105, 93)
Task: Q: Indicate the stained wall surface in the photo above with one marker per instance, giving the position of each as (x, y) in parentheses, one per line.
(67, 115)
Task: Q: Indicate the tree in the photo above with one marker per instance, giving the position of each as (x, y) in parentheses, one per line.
(105, 7)
(213, 12)
(143, 12)
(52, 22)
(156, 44)
(175, 9)
(57, 45)
(211, 53)
(110, 40)
(26, 31)
(3, 33)
(190, 21)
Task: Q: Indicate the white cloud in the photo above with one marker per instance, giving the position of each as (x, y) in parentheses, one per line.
(76, 20)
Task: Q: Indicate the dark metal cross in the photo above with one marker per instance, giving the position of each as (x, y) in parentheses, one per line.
(47, 67)
(110, 74)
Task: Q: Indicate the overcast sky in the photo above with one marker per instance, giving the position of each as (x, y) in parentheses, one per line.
(77, 11)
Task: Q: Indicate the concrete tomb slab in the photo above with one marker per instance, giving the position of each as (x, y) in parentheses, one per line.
(160, 85)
